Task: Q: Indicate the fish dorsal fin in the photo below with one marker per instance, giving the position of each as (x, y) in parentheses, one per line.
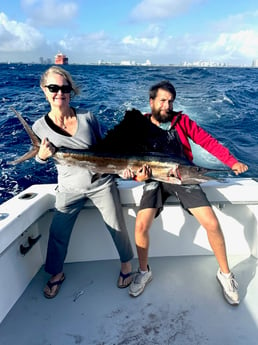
(129, 135)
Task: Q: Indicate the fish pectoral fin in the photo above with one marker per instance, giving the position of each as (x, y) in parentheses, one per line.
(95, 177)
(174, 173)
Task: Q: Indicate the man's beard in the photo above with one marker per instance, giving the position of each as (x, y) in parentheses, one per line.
(162, 118)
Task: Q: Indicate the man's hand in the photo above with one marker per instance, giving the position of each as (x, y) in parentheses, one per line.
(143, 174)
(239, 168)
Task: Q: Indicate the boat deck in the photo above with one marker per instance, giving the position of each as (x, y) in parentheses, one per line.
(182, 305)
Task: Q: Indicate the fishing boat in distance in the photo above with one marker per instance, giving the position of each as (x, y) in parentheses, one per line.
(183, 305)
(61, 59)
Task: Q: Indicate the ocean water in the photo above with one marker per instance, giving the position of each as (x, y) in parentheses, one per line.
(224, 101)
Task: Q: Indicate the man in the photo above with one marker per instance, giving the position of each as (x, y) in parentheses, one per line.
(177, 128)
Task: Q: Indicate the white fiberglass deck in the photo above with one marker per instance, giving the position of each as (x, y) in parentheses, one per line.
(183, 305)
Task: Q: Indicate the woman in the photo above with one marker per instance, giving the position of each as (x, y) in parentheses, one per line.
(76, 129)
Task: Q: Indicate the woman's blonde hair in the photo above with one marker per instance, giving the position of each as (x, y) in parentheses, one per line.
(61, 71)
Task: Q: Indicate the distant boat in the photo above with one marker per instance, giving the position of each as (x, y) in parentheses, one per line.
(61, 59)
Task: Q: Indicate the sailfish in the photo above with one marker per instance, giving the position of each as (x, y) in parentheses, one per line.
(111, 156)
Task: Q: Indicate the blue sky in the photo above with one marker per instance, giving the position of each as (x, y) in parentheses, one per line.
(162, 31)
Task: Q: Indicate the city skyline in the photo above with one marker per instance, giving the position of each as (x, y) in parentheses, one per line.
(161, 31)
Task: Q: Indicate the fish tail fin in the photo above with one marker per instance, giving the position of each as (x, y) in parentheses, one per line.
(34, 140)
(28, 155)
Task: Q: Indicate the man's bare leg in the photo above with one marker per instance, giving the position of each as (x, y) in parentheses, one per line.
(208, 219)
(143, 223)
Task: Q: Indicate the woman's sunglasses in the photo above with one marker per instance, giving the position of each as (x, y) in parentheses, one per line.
(55, 88)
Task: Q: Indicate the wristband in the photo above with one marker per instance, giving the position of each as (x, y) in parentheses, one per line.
(39, 160)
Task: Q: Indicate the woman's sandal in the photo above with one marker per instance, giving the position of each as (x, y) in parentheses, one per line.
(124, 276)
(50, 286)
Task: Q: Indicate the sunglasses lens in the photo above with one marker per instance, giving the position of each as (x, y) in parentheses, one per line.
(66, 88)
(55, 88)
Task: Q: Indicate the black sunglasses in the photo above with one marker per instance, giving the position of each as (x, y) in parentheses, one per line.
(55, 88)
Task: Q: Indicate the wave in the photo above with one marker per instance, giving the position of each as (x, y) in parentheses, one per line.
(221, 100)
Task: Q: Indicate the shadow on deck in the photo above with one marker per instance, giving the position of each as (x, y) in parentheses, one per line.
(183, 305)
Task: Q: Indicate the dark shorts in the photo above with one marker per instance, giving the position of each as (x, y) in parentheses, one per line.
(156, 193)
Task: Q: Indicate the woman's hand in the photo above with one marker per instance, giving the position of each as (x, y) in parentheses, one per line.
(46, 150)
(128, 174)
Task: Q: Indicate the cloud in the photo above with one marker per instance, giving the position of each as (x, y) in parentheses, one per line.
(229, 43)
(161, 9)
(151, 40)
(86, 42)
(85, 48)
(239, 44)
(238, 22)
(18, 37)
(160, 47)
(141, 42)
(50, 13)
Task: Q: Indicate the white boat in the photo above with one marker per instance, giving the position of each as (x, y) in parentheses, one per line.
(183, 304)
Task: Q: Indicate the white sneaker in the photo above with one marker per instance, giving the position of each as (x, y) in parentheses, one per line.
(230, 288)
(139, 282)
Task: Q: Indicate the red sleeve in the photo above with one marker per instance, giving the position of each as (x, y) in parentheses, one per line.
(189, 128)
